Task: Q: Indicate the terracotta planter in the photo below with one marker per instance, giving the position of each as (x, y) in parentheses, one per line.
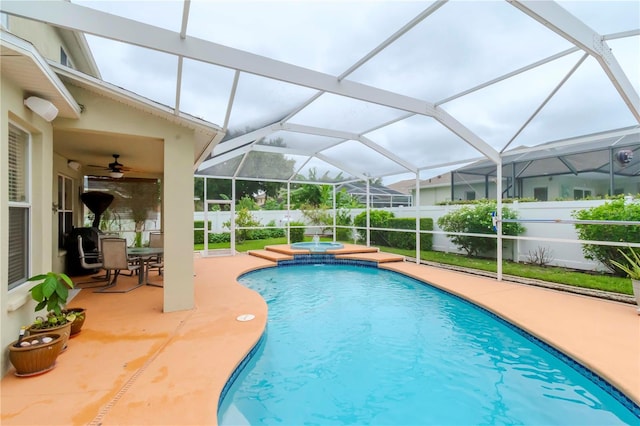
(63, 330)
(76, 325)
(38, 358)
(636, 293)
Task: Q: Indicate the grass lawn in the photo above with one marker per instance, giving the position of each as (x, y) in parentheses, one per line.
(553, 274)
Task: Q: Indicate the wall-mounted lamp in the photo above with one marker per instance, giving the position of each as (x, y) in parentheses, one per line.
(73, 165)
(116, 175)
(42, 107)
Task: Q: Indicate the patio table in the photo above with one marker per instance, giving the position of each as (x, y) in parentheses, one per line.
(146, 254)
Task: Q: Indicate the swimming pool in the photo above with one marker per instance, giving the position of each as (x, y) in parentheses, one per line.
(356, 345)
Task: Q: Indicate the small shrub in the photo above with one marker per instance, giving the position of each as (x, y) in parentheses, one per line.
(614, 210)
(296, 234)
(541, 256)
(407, 240)
(244, 218)
(477, 219)
(343, 218)
(224, 237)
(198, 234)
(377, 219)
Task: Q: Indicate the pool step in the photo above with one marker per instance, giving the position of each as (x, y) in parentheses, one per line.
(349, 251)
(379, 257)
(270, 255)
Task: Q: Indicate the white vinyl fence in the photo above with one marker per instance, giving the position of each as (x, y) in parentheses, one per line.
(568, 254)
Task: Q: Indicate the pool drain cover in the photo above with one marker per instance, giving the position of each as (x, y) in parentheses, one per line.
(245, 317)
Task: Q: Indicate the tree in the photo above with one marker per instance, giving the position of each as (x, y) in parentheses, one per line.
(260, 164)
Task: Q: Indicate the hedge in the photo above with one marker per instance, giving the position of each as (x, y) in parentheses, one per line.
(402, 240)
(225, 237)
(296, 234)
(198, 234)
(407, 240)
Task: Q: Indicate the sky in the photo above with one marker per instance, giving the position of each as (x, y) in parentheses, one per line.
(459, 46)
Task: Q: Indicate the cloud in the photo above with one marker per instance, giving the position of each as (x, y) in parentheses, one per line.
(459, 46)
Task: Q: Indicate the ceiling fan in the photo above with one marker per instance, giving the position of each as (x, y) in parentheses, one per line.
(115, 168)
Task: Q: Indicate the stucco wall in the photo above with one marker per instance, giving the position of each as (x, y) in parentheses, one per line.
(178, 144)
(16, 308)
(44, 37)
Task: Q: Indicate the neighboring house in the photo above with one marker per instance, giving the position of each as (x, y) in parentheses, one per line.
(45, 155)
(406, 186)
(594, 165)
(379, 195)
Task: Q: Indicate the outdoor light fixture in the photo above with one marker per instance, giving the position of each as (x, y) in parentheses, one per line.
(42, 107)
(624, 156)
(73, 165)
(116, 175)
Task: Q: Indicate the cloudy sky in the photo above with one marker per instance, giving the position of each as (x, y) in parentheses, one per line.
(458, 47)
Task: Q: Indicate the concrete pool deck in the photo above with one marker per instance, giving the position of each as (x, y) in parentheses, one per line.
(133, 364)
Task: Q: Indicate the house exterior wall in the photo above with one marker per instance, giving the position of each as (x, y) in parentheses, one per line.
(16, 307)
(558, 188)
(178, 143)
(44, 37)
(102, 114)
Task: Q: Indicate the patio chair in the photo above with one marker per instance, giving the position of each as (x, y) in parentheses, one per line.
(156, 240)
(116, 259)
(90, 262)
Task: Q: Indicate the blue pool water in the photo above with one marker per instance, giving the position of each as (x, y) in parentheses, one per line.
(356, 345)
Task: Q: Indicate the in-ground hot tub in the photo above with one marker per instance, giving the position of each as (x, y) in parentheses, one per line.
(317, 247)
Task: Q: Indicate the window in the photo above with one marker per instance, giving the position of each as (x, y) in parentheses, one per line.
(64, 59)
(65, 208)
(541, 193)
(580, 193)
(4, 20)
(470, 195)
(19, 206)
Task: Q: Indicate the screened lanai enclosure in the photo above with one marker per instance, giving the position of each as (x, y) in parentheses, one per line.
(341, 92)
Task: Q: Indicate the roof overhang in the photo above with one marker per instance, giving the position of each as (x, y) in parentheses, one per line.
(207, 134)
(22, 64)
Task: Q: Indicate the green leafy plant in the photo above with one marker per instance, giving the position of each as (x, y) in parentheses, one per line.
(377, 219)
(477, 220)
(244, 218)
(51, 293)
(615, 210)
(632, 268)
(296, 234)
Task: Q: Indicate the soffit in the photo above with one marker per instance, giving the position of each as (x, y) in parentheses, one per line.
(28, 70)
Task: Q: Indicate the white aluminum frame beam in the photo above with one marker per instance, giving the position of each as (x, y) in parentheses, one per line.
(78, 18)
(553, 16)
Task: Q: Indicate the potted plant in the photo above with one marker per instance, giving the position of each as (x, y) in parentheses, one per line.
(33, 355)
(80, 315)
(632, 268)
(51, 293)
